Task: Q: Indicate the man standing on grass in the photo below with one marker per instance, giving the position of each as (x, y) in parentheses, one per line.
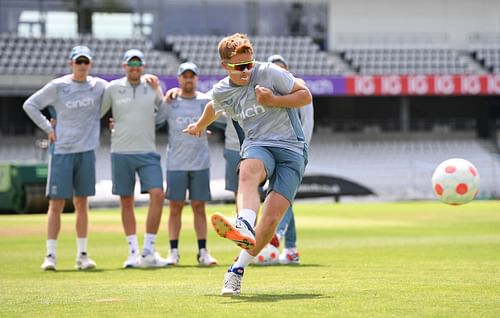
(263, 98)
(76, 99)
(188, 163)
(133, 150)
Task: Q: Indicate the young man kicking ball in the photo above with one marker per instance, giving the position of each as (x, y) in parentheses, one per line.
(263, 99)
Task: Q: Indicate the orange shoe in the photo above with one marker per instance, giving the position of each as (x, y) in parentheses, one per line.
(241, 232)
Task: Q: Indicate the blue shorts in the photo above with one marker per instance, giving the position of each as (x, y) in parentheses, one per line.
(196, 181)
(284, 168)
(232, 161)
(124, 167)
(71, 174)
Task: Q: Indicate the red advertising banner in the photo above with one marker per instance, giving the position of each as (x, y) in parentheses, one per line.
(424, 85)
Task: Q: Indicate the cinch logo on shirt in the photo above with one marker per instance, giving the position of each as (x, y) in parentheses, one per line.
(186, 120)
(80, 103)
(251, 112)
(124, 100)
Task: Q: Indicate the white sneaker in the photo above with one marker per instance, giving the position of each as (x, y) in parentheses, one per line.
(83, 262)
(240, 233)
(173, 257)
(49, 263)
(289, 256)
(205, 259)
(133, 261)
(153, 260)
(232, 282)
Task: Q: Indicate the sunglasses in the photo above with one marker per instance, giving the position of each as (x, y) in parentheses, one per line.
(80, 62)
(134, 63)
(241, 66)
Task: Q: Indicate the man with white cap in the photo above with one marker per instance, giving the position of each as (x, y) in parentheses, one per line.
(188, 163)
(76, 99)
(133, 150)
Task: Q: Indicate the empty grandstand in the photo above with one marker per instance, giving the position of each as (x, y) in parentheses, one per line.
(16, 55)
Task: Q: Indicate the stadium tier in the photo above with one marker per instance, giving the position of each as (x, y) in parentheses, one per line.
(411, 61)
(48, 56)
(486, 50)
(400, 166)
(304, 56)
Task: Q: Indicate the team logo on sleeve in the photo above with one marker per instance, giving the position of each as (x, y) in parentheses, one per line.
(229, 102)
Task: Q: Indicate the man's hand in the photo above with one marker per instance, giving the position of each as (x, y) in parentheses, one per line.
(171, 94)
(152, 81)
(194, 130)
(51, 136)
(111, 124)
(264, 96)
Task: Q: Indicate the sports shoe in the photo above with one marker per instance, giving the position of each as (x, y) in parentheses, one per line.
(240, 233)
(133, 261)
(232, 282)
(83, 262)
(205, 259)
(153, 260)
(173, 257)
(289, 256)
(49, 263)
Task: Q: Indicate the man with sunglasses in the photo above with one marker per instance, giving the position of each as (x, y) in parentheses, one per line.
(262, 98)
(286, 229)
(188, 162)
(133, 150)
(76, 99)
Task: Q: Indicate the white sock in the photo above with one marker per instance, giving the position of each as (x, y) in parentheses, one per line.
(243, 260)
(51, 247)
(81, 243)
(149, 243)
(248, 215)
(133, 245)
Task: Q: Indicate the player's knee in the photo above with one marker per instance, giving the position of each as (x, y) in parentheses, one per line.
(157, 194)
(251, 176)
(198, 207)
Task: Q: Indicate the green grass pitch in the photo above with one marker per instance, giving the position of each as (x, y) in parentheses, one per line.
(418, 259)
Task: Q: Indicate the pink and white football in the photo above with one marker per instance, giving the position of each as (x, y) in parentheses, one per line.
(455, 181)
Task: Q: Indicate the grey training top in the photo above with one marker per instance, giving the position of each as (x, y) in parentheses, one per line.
(262, 125)
(185, 152)
(306, 116)
(77, 105)
(134, 108)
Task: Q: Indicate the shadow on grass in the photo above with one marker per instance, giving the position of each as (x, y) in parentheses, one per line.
(102, 270)
(287, 265)
(268, 298)
(197, 266)
(97, 270)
